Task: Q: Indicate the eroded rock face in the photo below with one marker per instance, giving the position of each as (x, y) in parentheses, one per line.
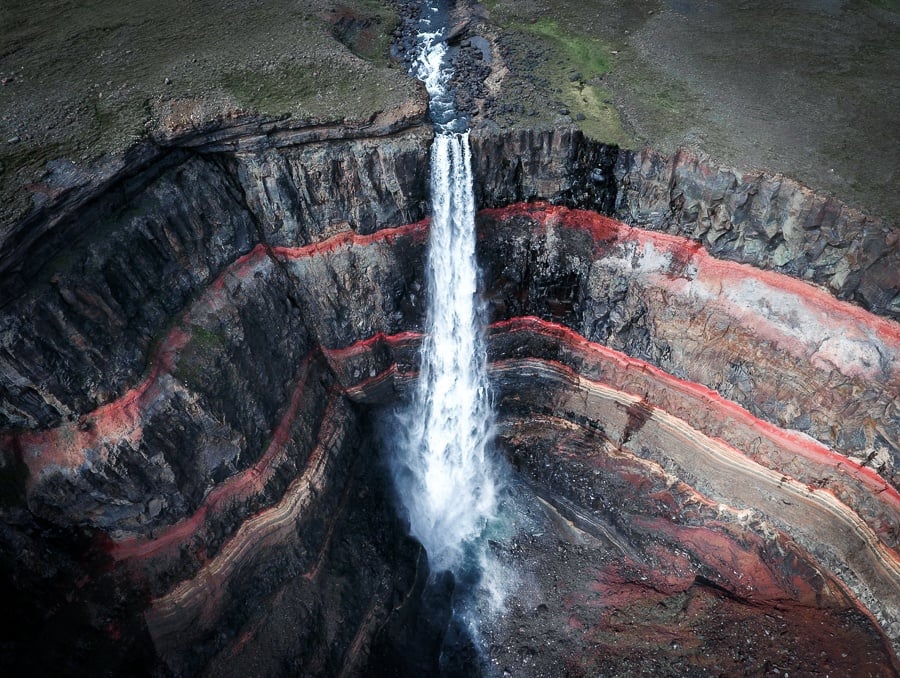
(703, 439)
(769, 221)
(166, 402)
(786, 351)
(189, 398)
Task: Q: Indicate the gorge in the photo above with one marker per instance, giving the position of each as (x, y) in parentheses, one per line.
(695, 376)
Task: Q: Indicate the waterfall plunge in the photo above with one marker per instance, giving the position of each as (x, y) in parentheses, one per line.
(443, 472)
(449, 490)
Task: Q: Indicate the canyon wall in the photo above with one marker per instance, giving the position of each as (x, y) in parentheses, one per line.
(190, 380)
(769, 221)
(165, 398)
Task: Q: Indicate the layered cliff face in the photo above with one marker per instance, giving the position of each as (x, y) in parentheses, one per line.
(704, 444)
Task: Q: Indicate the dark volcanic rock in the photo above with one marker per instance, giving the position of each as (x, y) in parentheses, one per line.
(768, 221)
(168, 366)
(84, 331)
(189, 383)
(668, 302)
(302, 194)
(771, 222)
(559, 165)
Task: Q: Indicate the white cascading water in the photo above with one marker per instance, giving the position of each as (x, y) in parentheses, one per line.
(443, 471)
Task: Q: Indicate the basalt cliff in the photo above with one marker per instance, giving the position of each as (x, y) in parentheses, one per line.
(695, 373)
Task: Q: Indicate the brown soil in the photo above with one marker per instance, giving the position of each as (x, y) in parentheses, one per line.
(82, 80)
(809, 89)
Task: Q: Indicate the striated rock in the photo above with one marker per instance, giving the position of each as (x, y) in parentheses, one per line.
(559, 165)
(559, 425)
(98, 308)
(788, 352)
(69, 200)
(771, 222)
(704, 449)
(83, 332)
(303, 194)
(281, 560)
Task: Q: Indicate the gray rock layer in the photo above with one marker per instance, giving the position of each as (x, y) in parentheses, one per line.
(171, 367)
(771, 222)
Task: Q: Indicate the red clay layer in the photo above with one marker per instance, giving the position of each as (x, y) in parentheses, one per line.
(704, 398)
(418, 231)
(378, 340)
(64, 446)
(252, 479)
(607, 232)
(194, 604)
(122, 418)
(233, 491)
(644, 596)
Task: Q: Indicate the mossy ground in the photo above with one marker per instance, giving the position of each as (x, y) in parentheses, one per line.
(81, 80)
(890, 5)
(584, 52)
(810, 90)
(576, 65)
(559, 64)
(278, 90)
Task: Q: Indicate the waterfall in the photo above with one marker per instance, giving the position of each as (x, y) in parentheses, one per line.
(443, 470)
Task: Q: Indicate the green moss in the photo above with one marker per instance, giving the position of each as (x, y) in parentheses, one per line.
(277, 92)
(601, 119)
(203, 352)
(572, 73)
(26, 154)
(205, 339)
(664, 99)
(587, 55)
(889, 5)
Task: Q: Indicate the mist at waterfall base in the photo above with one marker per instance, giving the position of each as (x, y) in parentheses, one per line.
(439, 444)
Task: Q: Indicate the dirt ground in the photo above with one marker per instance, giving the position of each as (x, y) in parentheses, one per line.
(810, 89)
